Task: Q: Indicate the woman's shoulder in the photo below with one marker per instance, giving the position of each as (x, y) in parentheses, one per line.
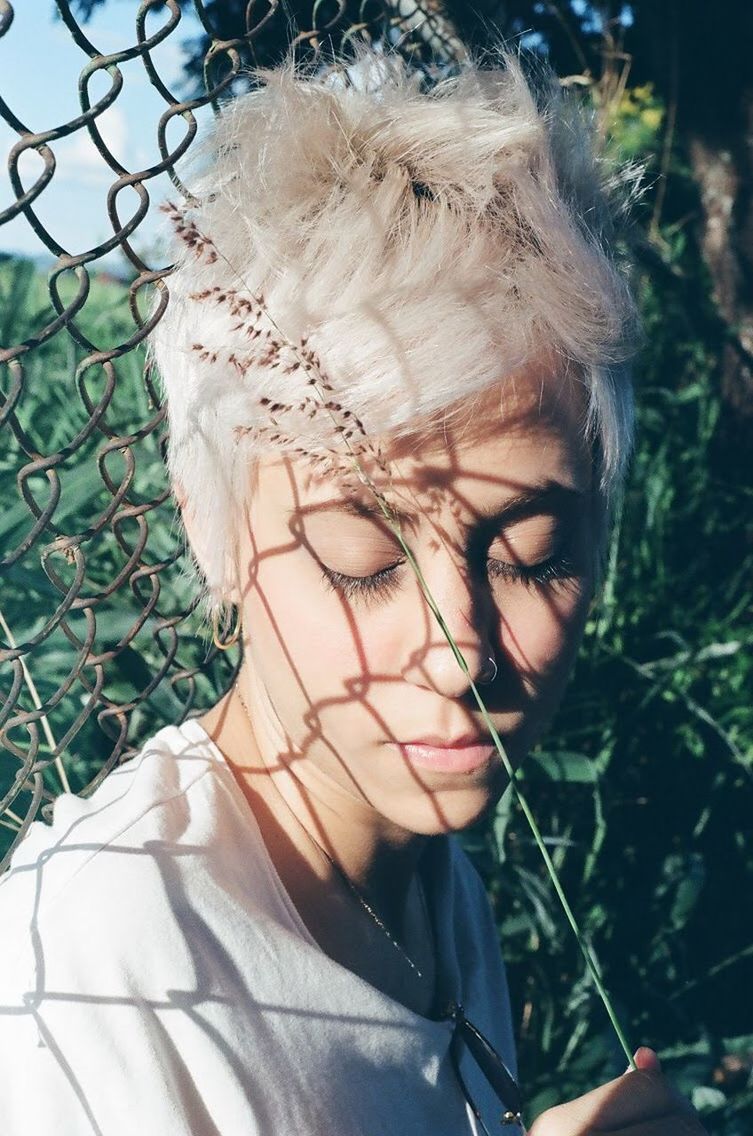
(468, 886)
(473, 959)
(164, 768)
(461, 899)
(100, 844)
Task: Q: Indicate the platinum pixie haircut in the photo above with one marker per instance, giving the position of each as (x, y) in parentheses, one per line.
(362, 252)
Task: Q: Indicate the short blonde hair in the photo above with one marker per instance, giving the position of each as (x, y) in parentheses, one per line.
(410, 244)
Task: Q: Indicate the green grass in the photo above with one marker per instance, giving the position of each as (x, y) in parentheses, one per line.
(645, 785)
(133, 626)
(644, 788)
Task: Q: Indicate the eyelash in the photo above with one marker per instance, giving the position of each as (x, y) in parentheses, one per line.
(381, 584)
(377, 586)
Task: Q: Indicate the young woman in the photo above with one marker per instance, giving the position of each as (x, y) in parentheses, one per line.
(394, 358)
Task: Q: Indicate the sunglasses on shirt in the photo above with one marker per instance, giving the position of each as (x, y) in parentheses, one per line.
(489, 1062)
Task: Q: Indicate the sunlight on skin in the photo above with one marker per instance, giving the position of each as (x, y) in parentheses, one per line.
(335, 675)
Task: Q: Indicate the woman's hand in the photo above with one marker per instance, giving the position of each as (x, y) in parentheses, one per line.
(640, 1103)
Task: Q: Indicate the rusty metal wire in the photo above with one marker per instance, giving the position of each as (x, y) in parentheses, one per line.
(99, 641)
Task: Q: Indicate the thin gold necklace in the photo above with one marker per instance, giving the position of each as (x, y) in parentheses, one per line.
(355, 891)
(485, 1055)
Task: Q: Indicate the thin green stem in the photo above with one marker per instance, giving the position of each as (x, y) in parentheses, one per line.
(587, 952)
(394, 525)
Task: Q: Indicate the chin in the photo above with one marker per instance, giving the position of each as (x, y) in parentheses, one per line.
(449, 808)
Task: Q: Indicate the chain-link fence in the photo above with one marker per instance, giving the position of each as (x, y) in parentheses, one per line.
(100, 642)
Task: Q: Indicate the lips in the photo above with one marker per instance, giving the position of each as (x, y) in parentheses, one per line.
(461, 742)
(466, 754)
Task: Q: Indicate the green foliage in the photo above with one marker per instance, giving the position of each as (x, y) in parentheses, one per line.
(633, 121)
(134, 623)
(644, 788)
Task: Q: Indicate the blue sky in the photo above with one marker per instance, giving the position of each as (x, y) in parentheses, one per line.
(39, 69)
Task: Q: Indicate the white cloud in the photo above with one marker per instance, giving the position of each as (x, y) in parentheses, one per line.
(80, 160)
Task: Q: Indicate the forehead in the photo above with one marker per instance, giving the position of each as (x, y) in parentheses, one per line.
(525, 432)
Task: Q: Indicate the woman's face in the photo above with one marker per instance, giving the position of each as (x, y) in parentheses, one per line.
(345, 661)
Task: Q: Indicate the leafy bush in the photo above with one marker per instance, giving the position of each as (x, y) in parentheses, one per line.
(645, 785)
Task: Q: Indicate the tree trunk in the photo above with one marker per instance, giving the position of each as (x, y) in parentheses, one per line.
(699, 57)
(723, 173)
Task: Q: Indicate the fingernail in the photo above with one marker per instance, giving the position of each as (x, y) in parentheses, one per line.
(647, 1059)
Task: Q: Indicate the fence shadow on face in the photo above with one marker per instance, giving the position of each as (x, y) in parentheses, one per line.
(98, 623)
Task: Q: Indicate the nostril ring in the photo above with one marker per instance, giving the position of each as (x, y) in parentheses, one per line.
(488, 672)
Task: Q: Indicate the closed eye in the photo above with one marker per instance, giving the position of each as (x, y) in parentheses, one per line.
(377, 585)
(546, 572)
(382, 584)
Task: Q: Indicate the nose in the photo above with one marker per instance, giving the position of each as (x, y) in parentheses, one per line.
(431, 661)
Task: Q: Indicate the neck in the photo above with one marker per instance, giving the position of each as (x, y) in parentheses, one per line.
(303, 812)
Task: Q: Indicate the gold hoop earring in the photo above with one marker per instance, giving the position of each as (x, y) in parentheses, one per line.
(225, 644)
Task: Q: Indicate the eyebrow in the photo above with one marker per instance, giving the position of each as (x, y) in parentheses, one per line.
(552, 496)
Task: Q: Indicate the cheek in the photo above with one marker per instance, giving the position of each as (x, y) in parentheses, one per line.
(541, 632)
(298, 628)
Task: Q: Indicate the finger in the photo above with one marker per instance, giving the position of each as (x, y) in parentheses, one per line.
(635, 1098)
(674, 1124)
(645, 1095)
(647, 1060)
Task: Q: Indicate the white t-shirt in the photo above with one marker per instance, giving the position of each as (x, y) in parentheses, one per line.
(156, 978)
